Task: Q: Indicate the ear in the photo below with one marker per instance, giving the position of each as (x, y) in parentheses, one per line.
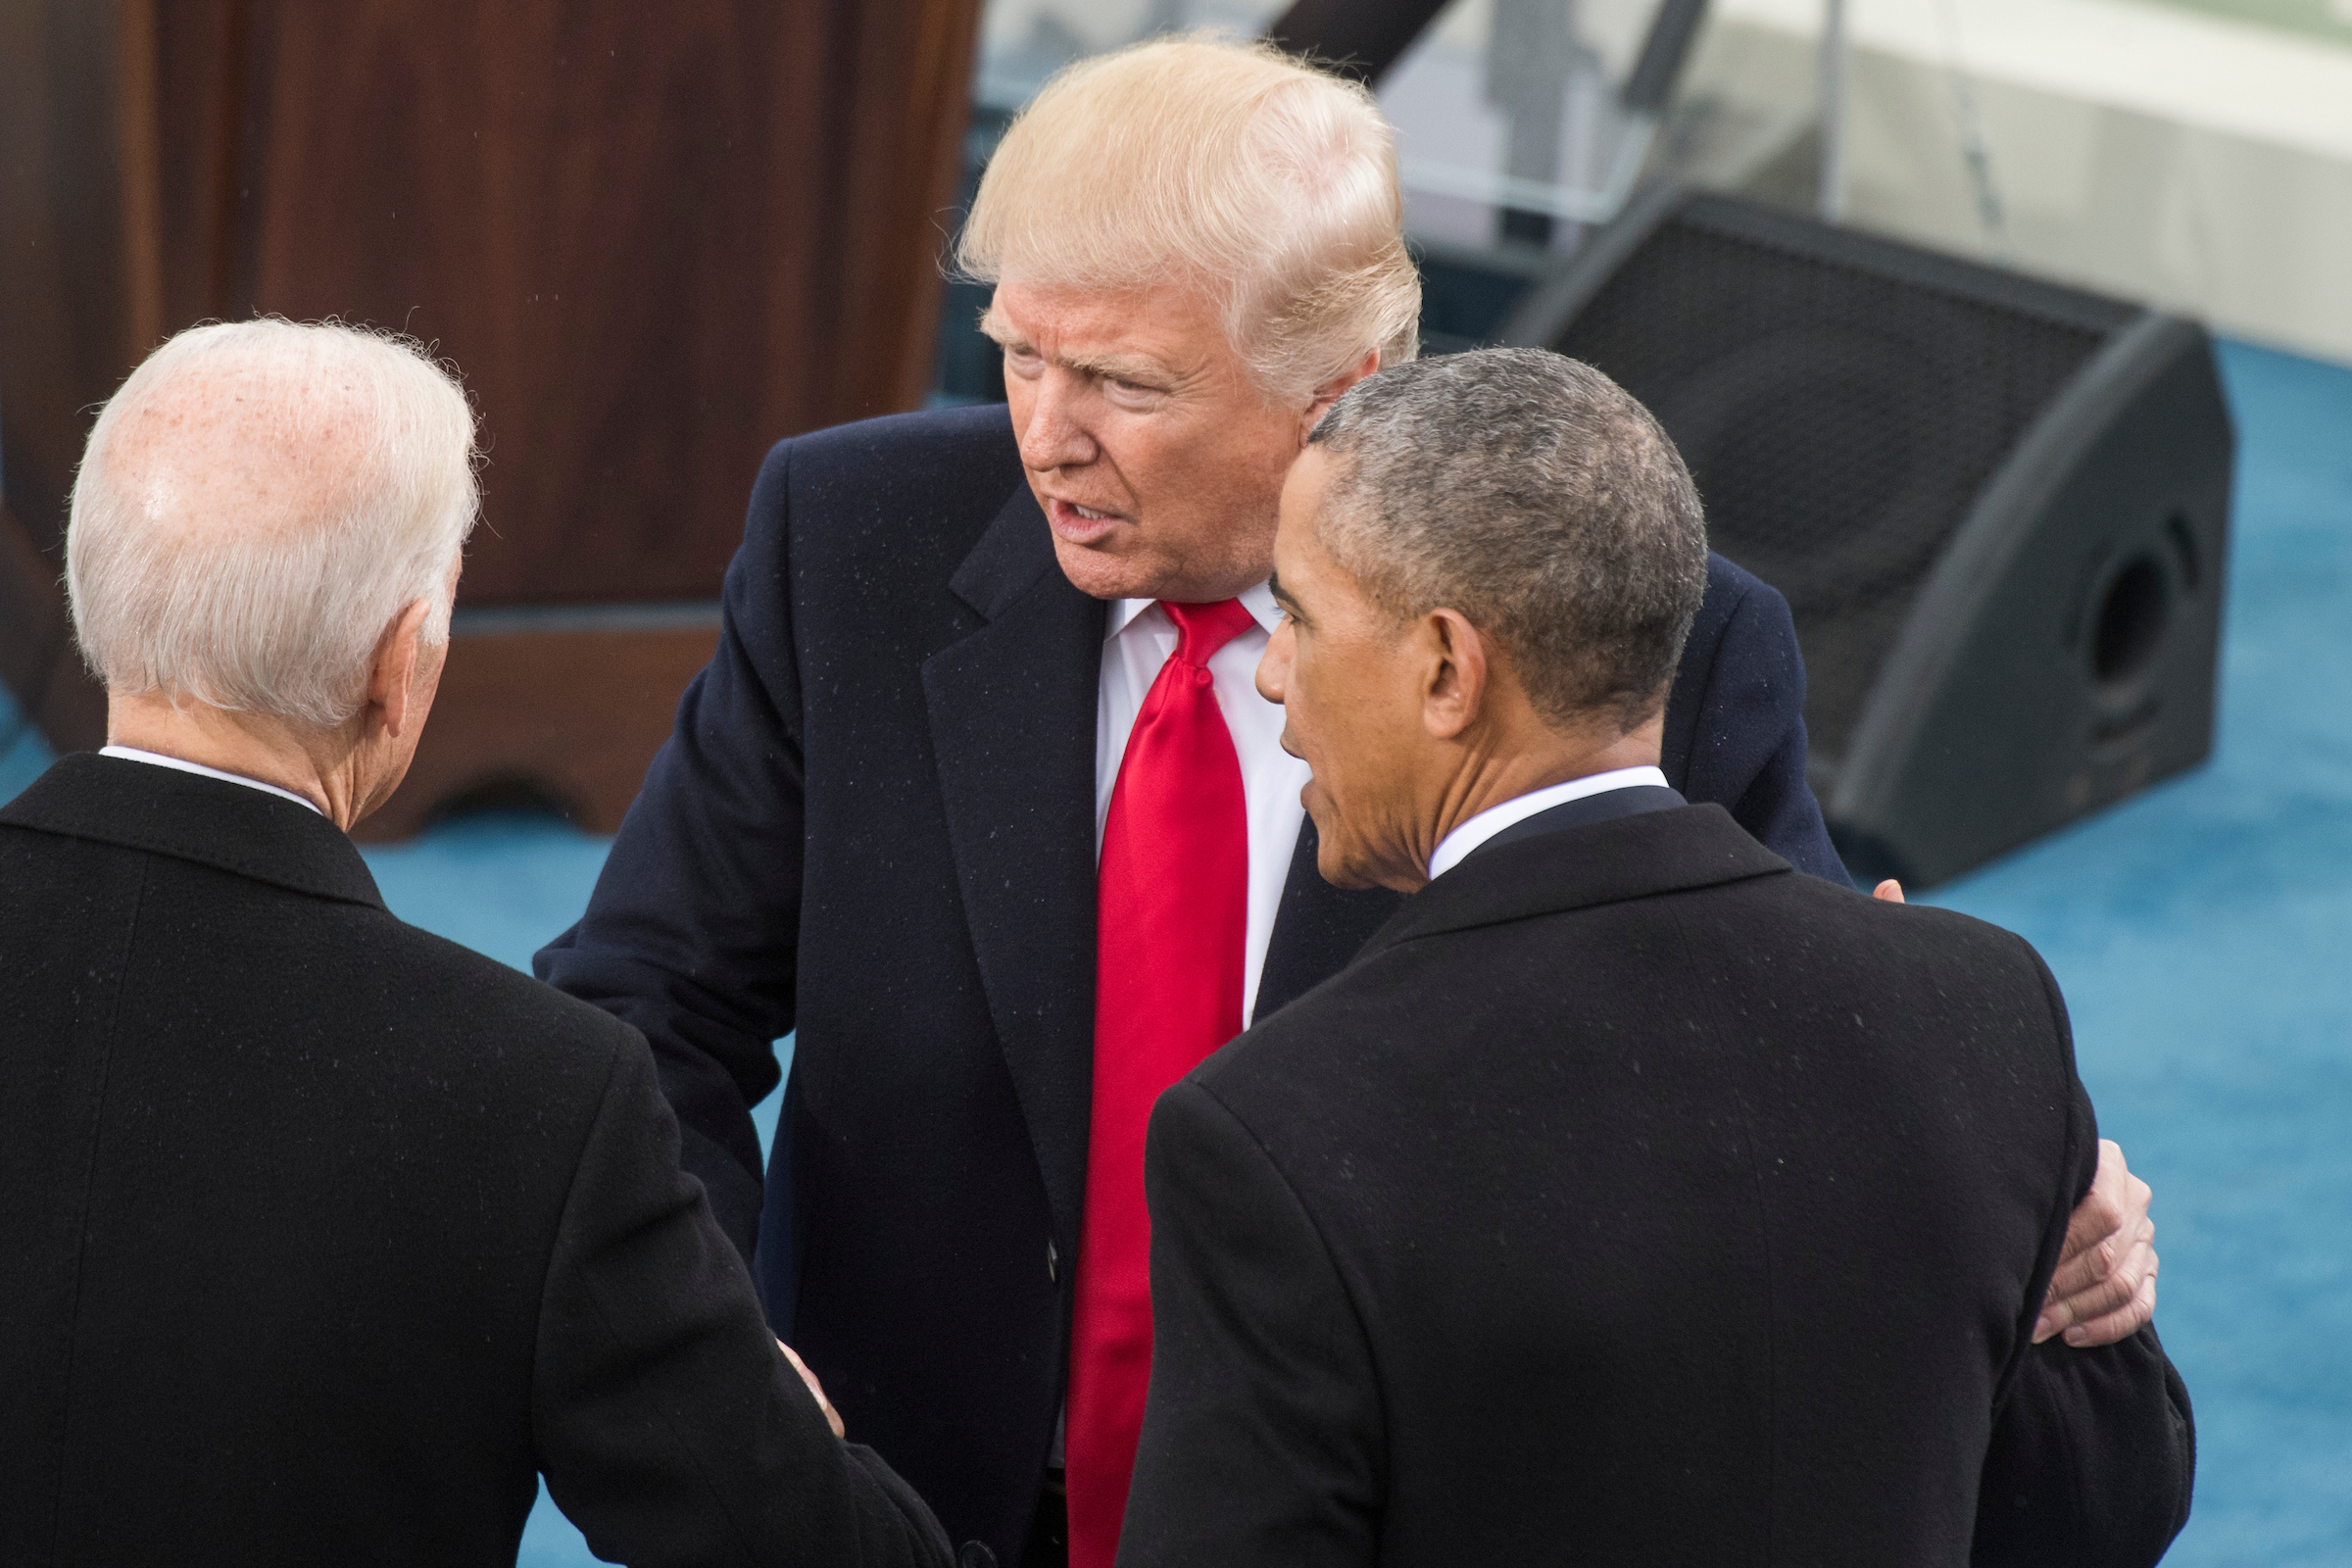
(392, 695)
(1329, 392)
(1455, 692)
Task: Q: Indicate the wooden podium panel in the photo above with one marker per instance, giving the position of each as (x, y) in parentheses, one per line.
(654, 239)
(563, 717)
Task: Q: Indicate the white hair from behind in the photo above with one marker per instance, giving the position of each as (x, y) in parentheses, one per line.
(1230, 168)
(175, 590)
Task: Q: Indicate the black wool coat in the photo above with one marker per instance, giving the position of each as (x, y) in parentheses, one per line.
(321, 1235)
(1633, 1200)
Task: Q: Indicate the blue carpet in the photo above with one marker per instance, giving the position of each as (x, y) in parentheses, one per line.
(2199, 931)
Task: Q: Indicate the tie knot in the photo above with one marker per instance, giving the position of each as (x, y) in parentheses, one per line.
(1203, 630)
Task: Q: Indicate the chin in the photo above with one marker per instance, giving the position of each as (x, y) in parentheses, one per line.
(1339, 873)
(1338, 865)
(1354, 865)
(1099, 574)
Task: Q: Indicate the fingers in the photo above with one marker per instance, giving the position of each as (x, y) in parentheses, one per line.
(2101, 1231)
(1890, 889)
(832, 1416)
(2102, 1290)
(2107, 1295)
(2117, 1199)
(2120, 1324)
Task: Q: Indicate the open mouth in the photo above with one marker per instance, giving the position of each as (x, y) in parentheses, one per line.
(1080, 524)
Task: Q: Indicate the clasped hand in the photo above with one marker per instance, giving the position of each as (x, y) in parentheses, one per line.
(832, 1416)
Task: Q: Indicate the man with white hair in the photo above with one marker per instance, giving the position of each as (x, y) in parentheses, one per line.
(978, 796)
(323, 1234)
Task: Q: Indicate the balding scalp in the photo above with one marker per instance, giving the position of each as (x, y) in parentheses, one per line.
(257, 503)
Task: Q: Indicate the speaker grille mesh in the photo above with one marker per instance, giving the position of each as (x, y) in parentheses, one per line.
(1838, 419)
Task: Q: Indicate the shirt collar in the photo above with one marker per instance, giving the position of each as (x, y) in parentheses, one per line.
(1258, 600)
(1456, 847)
(132, 754)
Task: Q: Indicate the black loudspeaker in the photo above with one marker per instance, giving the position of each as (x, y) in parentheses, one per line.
(1999, 509)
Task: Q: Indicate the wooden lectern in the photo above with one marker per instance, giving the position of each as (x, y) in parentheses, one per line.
(654, 238)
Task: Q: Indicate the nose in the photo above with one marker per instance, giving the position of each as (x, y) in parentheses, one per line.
(1055, 435)
(1274, 664)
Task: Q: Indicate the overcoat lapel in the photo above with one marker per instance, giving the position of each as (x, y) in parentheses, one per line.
(1012, 710)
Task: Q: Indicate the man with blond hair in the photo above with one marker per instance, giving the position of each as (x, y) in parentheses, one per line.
(977, 794)
(323, 1234)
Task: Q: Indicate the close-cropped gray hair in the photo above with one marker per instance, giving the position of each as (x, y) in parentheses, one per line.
(257, 503)
(1539, 499)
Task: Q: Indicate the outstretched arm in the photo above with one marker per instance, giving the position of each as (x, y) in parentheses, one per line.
(672, 1427)
(692, 930)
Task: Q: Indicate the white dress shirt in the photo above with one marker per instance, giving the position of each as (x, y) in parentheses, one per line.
(1456, 847)
(131, 753)
(1140, 640)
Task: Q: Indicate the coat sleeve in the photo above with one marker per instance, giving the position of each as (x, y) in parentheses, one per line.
(1262, 1435)
(2095, 1452)
(2093, 1459)
(669, 1427)
(692, 930)
(1735, 720)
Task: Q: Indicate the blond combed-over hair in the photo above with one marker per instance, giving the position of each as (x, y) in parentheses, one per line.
(1226, 167)
(190, 578)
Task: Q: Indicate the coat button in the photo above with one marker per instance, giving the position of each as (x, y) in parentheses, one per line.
(1052, 1264)
(975, 1554)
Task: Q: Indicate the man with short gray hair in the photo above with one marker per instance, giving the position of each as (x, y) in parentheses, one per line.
(1630, 1198)
(324, 1235)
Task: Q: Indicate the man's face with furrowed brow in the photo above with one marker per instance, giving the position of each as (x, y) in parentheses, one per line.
(1156, 457)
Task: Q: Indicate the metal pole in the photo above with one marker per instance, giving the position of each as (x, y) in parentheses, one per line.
(1832, 86)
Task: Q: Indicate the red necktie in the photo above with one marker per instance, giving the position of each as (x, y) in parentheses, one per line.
(1172, 914)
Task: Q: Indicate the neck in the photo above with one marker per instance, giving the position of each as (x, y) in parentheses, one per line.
(1495, 773)
(323, 766)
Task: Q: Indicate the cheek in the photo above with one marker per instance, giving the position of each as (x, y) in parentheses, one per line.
(1358, 730)
(1308, 715)
(1200, 477)
(1162, 472)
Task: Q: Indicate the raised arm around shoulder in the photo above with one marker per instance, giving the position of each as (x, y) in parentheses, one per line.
(670, 1425)
(2093, 1454)
(1261, 1434)
(692, 931)
(2094, 1461)
(1735, 720)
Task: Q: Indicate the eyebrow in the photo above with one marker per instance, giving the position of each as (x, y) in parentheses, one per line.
(1274, 587)
(1136, 369)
